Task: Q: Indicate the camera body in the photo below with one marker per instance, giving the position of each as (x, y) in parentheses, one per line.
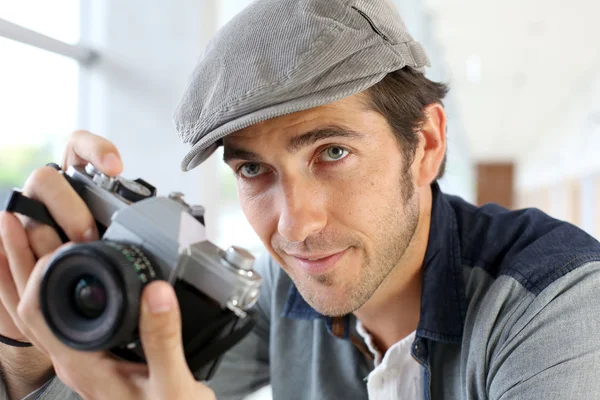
(90, 292)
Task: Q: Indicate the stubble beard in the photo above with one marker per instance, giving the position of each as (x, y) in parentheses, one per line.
(398, 226)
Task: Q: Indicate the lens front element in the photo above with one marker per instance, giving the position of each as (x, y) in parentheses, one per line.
(89, 297)
(90, 293)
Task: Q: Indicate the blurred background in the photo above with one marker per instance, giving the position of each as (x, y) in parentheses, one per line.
(524, 106)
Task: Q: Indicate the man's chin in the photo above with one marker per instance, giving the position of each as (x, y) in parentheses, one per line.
(329, 301)
(333, 309)
(331, 294)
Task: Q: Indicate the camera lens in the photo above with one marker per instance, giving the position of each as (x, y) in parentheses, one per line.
(90, 293)
(90, 297)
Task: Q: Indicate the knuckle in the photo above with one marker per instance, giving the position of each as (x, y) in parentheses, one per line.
(76, 135)
(77, 222)
(39, 233)
(54, 189)
(40, 176)
(82, 136)
(43, 239)
(79, 132)
(80, 231)
(28, 223)
(13, 236)
(24, 311)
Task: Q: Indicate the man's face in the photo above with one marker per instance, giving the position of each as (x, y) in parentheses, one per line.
(331, 197)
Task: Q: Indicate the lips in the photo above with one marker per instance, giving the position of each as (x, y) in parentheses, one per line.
(318, 264)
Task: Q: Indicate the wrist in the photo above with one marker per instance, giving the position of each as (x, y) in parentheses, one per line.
(23, 370)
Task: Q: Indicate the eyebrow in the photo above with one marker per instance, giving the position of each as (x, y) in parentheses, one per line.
(296, 143)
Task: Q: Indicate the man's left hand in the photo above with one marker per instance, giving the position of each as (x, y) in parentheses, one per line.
(98, 375)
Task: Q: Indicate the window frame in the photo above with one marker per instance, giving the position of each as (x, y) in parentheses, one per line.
(82, 54)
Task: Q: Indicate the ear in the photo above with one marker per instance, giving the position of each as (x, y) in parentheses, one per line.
(432, 144)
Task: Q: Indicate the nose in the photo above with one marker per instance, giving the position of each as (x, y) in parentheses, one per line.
(303, 212)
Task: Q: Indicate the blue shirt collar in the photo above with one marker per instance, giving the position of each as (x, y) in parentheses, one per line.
(443, 302)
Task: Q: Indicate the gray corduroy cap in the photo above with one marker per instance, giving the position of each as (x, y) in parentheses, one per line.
(281, 56)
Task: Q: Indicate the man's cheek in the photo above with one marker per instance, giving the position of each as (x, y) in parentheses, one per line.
(355, 201)
(261, 217)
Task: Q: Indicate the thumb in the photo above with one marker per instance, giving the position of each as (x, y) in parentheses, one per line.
(160, 334)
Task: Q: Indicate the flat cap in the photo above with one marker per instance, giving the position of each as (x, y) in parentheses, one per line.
(282, 56)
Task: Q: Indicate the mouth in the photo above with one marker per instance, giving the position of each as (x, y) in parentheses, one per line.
(315, 264)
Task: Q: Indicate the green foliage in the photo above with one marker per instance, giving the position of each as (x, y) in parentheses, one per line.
(17, 162)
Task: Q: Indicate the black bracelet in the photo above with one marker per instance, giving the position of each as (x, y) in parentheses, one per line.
(13, 342)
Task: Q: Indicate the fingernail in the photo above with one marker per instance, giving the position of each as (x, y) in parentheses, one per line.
(90, 235)
(111, 161)
(161, 299)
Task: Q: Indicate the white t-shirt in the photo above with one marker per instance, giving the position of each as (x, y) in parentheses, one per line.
(398, 376)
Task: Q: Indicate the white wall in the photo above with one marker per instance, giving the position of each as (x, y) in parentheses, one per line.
(460, 175)
(147, 49)
(571, 150)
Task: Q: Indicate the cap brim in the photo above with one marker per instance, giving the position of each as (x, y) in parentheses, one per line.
(207, 145)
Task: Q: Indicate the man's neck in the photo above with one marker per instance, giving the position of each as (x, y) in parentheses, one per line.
(393, 312)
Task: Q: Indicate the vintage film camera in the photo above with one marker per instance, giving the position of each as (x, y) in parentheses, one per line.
(90, 292)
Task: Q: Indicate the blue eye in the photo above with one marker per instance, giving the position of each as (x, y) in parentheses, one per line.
(251, 170)
(334, 153)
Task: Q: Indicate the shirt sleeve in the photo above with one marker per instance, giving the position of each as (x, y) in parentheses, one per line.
(35, 394)
(53, 389)
(553, 349)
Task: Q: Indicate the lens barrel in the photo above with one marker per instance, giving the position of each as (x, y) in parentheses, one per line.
(90, 293)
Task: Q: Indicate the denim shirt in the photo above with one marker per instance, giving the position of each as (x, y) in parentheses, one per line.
(510, 309)
(479, 260)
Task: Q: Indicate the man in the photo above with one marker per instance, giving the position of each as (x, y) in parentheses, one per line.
(377, 284)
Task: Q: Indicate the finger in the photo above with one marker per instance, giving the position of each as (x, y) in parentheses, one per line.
(64, 204)
(8, 327)
(160, 334)
(85, 147)
(10, 322)
(43, 239)
(18, 254)
(85, 372)
(8, 294)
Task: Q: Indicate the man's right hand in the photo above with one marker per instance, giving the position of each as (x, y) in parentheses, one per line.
(27, 368)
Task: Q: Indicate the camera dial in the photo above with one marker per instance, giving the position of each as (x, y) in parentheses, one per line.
(130, 190)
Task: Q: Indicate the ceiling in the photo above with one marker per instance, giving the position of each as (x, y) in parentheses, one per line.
(515, 67)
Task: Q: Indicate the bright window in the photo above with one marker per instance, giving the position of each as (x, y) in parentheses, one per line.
(58, 19)
(39, 90)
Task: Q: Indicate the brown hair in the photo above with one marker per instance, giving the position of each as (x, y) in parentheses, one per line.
(401, 98)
